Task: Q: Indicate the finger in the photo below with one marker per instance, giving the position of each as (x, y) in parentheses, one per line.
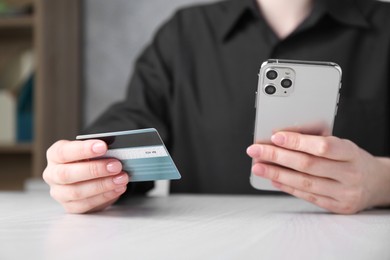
(298, 161)
(81, 171)
(71, 151)
(93, 203)
(297, 180)
(324, 202)
(323, 146)
(83, 190)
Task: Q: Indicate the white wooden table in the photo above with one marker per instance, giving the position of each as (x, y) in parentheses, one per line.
(33, 226)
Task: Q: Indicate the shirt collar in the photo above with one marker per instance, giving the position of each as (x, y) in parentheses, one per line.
(236, 12)
(348, 12)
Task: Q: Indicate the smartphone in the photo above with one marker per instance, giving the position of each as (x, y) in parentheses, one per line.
(299, 96)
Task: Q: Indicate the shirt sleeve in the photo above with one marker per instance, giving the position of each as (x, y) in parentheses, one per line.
(147, 100)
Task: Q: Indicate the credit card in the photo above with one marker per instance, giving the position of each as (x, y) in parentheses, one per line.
(142, 153)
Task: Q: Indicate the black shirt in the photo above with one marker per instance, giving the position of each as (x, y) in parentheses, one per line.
(196, 83)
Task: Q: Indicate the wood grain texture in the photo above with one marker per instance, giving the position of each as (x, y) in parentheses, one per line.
(58, 37)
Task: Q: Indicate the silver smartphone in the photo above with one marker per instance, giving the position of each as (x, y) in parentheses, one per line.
(299, 96)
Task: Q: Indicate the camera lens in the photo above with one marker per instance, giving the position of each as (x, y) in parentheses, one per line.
(271, 74)
(269, 89)
(286, 83)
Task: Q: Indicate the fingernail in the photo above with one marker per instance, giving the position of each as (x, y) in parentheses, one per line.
(99, 148)
(278, 139)
(114, 167)
(253, 151)
(121, 179)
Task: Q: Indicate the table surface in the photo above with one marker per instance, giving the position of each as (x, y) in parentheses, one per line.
(33, 226)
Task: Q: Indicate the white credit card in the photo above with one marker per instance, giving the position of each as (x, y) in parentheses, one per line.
(142, 153)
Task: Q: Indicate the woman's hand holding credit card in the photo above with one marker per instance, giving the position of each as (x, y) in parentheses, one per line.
(142, 153)
(91, 173)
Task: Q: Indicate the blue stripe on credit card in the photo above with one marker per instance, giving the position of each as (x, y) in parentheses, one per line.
(141, 152)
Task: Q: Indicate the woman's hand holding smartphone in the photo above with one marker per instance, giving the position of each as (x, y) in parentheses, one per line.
(294, 151)
(298, 96)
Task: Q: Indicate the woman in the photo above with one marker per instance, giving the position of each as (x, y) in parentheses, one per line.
(195, 83)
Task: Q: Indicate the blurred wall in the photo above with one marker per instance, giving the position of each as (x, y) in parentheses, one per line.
(115, 33)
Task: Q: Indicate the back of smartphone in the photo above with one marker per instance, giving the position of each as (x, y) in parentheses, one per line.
(299, 96)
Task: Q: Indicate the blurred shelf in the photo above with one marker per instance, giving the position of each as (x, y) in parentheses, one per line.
(25, 148)
(16, 22)
(16, 165)
(53, 29)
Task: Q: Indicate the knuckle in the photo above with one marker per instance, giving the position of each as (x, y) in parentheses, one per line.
(57, 194)
(306, 163)
(272, 154)
(295, 142)
(53, 194)
(49, 153)
(354, 150)
(102, 186)
(61, 174)
(355, 176)
(52, 151)
(348, 209)
(94, 170)
(326, 204)
(324, 147)
(46, 176)
(292, 191)
(275, 175)
(351, 202)
(306, 184)
(355, 196)
(85, 149)
(59, 151)
(351, 144)
(272, 173)
(311, 198)
(109, 196)
(74, 194)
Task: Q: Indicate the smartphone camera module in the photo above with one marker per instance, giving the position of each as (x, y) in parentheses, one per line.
(272, 74)
(270, 89)
(278, 81)
(286, 83)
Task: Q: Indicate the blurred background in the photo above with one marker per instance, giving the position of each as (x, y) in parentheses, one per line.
(62, 62)
(40, 83)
